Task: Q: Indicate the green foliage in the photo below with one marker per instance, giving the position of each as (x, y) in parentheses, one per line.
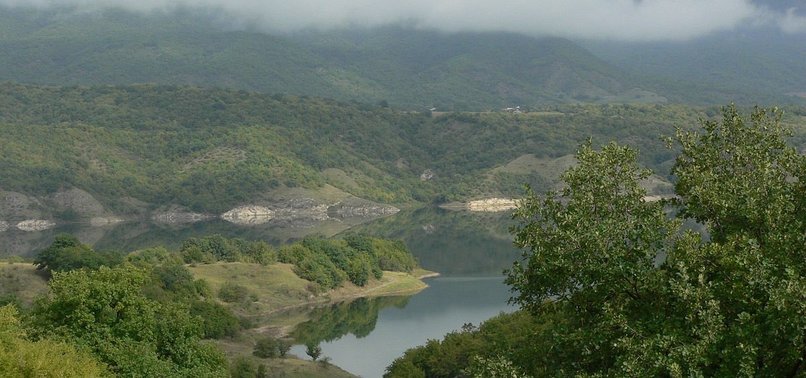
(267, 347)
(454, 71)
(213, 160)
(393, 255)
(21, 357)
(216, 320)
(311, 266)
(313, 351)
(574, 237)
(356, 258)
(233, 293)
(613, 286)
(68, 253)
(357, 317)
(283, 347)
(650, 300)
(218, 248)
(519, 337)
(105, 311)
(496, 367)
(243, 367)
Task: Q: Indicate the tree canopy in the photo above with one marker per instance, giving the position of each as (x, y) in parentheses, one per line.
(106, 312)
(617, 286)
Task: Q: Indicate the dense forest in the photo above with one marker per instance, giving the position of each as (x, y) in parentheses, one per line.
(212, 149)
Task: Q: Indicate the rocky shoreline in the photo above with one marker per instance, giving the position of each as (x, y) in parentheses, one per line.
(30, 213)
(487, 205)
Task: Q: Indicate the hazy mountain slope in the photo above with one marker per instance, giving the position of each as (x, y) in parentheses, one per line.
(122, 48)
(406, 67)
(751, 66)
(471, 70)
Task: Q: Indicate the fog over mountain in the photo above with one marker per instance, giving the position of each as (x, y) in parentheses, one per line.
(621, 20)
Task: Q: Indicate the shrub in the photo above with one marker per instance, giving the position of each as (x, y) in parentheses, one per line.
(267, 347)
(231, 293)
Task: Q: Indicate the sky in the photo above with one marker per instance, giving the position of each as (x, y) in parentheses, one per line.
(620, 20)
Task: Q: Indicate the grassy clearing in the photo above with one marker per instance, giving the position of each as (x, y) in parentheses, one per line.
(271, 287)
(276, 287)
(21, 279)
(548, 167)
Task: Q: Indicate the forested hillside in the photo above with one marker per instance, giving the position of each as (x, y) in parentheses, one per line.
(406, 67)
(213, 149)
(762, 66)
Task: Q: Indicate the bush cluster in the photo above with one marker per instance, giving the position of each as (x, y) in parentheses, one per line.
(214, 248)
(356, 258)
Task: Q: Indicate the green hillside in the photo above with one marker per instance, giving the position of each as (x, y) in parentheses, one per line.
(214, 149)
(410, 68)
(756, 66)
(403, 66)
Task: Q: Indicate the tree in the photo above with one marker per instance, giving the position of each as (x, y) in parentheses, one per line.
(283, 346)
(314, 351)
(267, 347)
(68, 253)
(633, 294)
(20, 357)
(106, 312)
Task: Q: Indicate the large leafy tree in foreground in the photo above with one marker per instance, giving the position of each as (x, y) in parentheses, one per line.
(106, 312)
(641, 297)
(615, 286)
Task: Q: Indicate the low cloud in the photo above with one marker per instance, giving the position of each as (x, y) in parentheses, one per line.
(626, 20)
(793, 23)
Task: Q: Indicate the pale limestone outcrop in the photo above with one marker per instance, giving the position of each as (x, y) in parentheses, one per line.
(306, 211)
(175, 214)
(35, 225)
(249, 214)
(179, 217)
(300, 208)
(354, 207)
(492, 205)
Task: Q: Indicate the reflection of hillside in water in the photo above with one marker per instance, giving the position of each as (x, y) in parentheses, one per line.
(450, 242)
(126, 237)
(357, 317)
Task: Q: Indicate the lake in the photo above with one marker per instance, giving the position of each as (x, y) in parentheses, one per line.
(446, 305)
(469, 250)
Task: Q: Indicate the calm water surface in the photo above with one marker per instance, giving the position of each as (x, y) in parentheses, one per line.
(447, 304)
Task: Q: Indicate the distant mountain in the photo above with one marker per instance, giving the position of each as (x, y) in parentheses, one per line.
(754, 65)
(405, 67)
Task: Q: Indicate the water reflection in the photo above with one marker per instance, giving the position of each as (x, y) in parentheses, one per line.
(357, 318)
(452, 243)
(130, 236)
(443, 307)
